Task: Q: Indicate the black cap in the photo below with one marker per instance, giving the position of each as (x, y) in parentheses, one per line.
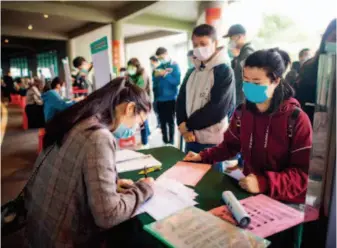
(234, 30)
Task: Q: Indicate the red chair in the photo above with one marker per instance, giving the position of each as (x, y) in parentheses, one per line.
(42, 132)
(24, 120)
(76, 90)
(23, 102)
(15, 99)
(127, 143)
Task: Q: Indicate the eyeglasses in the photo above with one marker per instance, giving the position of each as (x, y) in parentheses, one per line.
(142, 126)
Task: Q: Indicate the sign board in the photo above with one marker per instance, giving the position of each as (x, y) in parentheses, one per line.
(100, 58)
(67, 75)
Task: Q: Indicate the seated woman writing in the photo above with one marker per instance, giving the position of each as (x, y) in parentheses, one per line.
(271, 132)
(76, 192)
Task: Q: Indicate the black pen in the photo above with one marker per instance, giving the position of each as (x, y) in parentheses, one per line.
(145, 171)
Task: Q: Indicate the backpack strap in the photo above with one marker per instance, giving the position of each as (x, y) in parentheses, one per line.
(292, 122)
(238, 115)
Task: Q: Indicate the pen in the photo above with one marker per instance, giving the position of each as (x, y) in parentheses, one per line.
(145, 171)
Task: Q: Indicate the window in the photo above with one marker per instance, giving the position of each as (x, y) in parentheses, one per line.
(47, 64)
(19, 67)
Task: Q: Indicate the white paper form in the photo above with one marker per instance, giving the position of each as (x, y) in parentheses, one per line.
(124, 155)
(137, 164)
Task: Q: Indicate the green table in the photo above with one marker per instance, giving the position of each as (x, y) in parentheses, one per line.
(209, 189)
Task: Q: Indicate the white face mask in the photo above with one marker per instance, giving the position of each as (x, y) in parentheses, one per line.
(232, 44)
(204, 53)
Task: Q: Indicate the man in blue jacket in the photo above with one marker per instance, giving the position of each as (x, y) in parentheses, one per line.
(53, 103)
(166, 79)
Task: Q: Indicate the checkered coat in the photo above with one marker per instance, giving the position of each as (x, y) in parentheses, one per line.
(74, 194)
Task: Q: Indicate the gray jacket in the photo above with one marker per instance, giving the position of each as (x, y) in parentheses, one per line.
(237, 64)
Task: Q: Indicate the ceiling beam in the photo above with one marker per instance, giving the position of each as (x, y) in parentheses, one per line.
(84, 29)
(61, 9)
(149, 36)
(24, 32)
(162, 22)
(132, 9)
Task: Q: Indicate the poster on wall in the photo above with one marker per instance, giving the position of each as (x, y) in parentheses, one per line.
(67, 75)
(100, 59)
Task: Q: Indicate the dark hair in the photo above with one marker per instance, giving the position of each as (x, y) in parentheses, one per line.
(190, 53)
(275, 63)
(135, 62)
(122, 69)
(161, 51)
(18, 80)
(55, 82)
(78, 61)
(101, 104)
(205, 30)
(301, 53)
(154, 58)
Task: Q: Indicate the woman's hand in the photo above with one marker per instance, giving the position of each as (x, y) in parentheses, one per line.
(250, 184)
(78, 99)
(189, 137)
(193, 157)
(147, 180)
(123, 184)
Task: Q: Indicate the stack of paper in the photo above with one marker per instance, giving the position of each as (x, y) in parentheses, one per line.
(127, 160)
(169, 197)
(195, 228)
(186, 173)
(268, 216)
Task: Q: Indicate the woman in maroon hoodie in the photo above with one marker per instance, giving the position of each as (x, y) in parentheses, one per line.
(276, 153)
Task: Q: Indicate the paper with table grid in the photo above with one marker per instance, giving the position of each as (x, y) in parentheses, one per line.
(268, 216)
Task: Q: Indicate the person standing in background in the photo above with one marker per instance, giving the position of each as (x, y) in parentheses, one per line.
(306, 85)
(81, 78)
(8, 85)
(165, 83)
(34, 107)
(154, 64)
(207, 94)
(240, 49)
(138, 76)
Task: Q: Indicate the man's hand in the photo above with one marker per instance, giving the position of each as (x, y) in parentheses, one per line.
(250, 184)
(78, 99)
(182, 128)
(160, 73)
(189, 137)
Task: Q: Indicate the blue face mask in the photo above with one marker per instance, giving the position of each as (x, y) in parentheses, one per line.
(124, 132)
(255, 93)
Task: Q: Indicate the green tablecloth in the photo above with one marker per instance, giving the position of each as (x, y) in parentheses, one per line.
(209, 189)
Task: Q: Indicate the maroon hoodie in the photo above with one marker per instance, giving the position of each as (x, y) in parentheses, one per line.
(281, 167)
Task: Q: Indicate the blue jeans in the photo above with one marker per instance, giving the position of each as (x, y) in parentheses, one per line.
(197, 147)
(145, 132)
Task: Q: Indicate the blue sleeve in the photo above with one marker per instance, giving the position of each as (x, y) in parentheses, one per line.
(59, 104)
(174, 76)
(221, 103)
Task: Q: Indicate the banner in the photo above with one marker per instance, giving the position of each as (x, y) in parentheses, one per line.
(67, 75)
(100, 59)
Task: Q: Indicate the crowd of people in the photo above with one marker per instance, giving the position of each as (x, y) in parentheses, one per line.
(248, 108)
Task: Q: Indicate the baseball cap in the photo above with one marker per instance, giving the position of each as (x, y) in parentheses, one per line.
(234, 30)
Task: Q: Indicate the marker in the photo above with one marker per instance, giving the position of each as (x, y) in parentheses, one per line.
(145, 171)
(237, 210)
(149, 170)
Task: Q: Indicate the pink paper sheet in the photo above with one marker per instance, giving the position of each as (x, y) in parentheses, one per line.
(268, 216)
(187, 173)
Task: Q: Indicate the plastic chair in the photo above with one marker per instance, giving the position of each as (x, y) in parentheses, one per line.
(24, 120)
(15, 99)
(42, 132)
(23, 102)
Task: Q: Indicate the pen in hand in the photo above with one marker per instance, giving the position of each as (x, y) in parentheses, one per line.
(145, 172)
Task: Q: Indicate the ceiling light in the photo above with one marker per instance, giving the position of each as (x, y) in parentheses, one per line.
(30, 27)
(6, 41)
(45, 16)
